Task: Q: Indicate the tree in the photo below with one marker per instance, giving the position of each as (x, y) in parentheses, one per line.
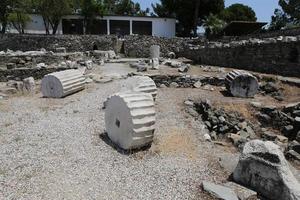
(52, 11)
(18, 16)
(90, 9)
(292, 9)
(190, 14)
(238, 12)
(129, 8)
(279, 20)
(5, 6)
(213, 25)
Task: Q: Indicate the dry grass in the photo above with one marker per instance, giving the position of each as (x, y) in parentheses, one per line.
(244, 109)
(291, 93)
(176, 142)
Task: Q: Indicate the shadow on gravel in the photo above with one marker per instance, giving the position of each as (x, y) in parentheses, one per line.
(225, 93)
(107, 140)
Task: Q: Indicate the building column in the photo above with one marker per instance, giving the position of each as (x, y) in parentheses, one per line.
(108, 27)
(131, 27)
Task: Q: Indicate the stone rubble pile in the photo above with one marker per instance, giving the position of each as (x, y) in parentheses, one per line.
(222, 124)
(271, 89)
(26, 86)
(186, 81)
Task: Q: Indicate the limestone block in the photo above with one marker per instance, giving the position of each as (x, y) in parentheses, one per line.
(155, 63)
(154, 51)
(141, 84)
(29, 84)
(171, 55)
(241, 84)
(263, 167)
(61, 84)
(130, 119)
(104, 54)
(61, 50)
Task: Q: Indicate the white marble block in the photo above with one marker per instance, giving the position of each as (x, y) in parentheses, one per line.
(61, 84)
(130, 119)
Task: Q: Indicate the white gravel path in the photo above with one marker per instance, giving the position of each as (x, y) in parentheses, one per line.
(51, 149)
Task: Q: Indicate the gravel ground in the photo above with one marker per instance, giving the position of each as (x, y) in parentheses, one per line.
(52, 149)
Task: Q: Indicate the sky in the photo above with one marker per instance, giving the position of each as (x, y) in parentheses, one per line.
(264, 9)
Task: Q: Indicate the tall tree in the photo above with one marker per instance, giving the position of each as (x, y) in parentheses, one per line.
(292, 9)
(5, 6)
(52, 12)
(213, 25)
(190, 14)
(90, 9)
(238, 12)
(19, 17)
(129, 8)
(279, 20)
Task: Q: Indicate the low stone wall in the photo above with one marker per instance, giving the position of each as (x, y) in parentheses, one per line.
(138, 46)
(73, 43)
(21, 73)
(272, 56)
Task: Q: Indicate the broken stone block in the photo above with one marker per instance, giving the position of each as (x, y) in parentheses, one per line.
(282, 139)
(142, 68)
(298, 136)
(218, 191)
(89, 64)
(29, 84)
(41, 66)
(291, 154)
(288, 130)
(10, 65)
(174, 85)
(8, 90)
(61, 50)
(61, 84)
(183, 69)
(19, 85)
(262, 166)
(171, 55)
(270, 136)
(241, 84)
(198, 84)
(130, 119)
(154, 51)
(155, 63)
(243, 193)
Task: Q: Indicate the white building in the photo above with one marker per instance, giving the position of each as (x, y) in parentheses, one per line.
(120, 25)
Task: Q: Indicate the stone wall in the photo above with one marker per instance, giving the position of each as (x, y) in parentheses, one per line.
(20, 74)
(138, 46)
(73, 43)
(278, 55)
(281, 57)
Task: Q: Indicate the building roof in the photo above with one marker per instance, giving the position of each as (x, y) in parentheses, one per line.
(238, 28)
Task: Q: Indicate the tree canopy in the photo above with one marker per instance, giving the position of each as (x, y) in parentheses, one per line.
(238, 12)
(190, 14)
(287, 16)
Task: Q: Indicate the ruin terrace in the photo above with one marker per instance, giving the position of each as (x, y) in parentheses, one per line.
(141, 117)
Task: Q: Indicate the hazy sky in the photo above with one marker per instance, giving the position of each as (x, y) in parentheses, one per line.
(264, 8)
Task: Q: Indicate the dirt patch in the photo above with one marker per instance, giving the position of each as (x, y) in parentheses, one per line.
(176, 142)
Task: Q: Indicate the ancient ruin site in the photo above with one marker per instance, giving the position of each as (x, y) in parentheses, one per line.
(138, 116)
